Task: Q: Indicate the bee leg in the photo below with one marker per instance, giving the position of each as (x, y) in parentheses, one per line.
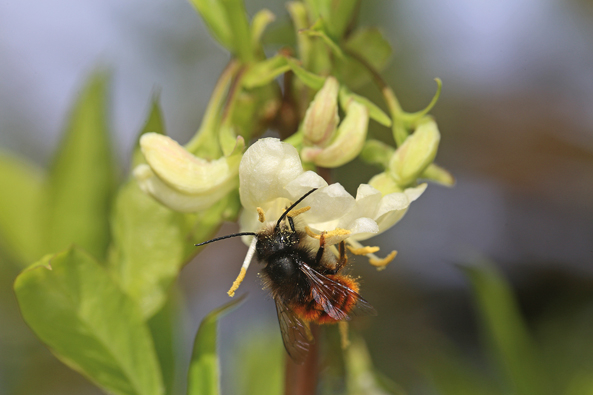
(320, 250)
(342, 260)
(291, 223)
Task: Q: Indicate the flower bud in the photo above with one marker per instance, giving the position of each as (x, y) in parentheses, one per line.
(181, 180)
(346, 144)
(384, 183)
(417, 152)
(321, 118)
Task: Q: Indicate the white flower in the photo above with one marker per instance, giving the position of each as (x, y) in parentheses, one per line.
(181, 180)
(271, 177)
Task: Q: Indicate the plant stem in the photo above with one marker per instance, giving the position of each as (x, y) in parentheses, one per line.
(205, 143)
(302, 379)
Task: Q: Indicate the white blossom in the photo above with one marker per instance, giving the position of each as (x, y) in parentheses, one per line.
(271, 177)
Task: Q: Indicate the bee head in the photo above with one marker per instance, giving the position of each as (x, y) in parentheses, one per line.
(273, 240)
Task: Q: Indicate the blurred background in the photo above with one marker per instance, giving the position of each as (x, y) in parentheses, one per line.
(516, 118)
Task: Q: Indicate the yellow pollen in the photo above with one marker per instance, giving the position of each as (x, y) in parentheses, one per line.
(327, 235)
(311, 233)
(294, 213)
(237, 282)
(363, 250)
(261, 215)
(343, 327)
(382, 263)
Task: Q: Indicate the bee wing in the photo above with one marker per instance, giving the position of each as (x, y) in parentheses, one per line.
(294, 332)
(330, 294)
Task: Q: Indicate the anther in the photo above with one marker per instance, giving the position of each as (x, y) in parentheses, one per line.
(261, 215)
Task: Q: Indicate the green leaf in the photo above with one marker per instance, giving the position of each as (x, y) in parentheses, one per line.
(82, 177)
(78, 311)
(204, 370)
(214, 14)
(149, 245)
(258, 24)
(264, 72)
(369, 45)
(165, 327)
(300, 21)
(241, 35)
(259, 363)
(21, 209)
(331, 44)
(312, 80)
(337, 15)
(506, 332)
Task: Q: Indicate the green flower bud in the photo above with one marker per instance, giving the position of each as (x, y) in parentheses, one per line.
(346, 144)
(321, 118)
(417, 152)
(181, 180)
(384, 183)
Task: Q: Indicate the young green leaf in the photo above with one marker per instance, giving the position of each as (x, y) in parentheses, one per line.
(259, 363)
(312, 80)
(338, 15)
(20, 209)
(367, 45)
(166, 330)
(89, 323)
(214, 15)
(82, 176)
(148, 247)
(264, 72)
(236, 17)
(506, 332)
(204, 370)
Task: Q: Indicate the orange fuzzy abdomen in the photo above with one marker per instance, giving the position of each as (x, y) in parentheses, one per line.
(312, 311)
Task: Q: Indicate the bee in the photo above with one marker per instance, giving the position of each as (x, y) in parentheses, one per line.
(306, 284)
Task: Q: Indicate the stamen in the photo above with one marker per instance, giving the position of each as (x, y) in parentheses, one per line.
(244, 267)
(338, 232)
(261, 215)
(237, 282)
(363, 250)
(381, 263)
(343, 327)
(311, 233)
(294, 213)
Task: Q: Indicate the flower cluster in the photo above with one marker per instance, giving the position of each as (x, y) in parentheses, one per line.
(324, 124)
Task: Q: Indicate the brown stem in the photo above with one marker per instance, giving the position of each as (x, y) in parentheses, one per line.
(302, 379)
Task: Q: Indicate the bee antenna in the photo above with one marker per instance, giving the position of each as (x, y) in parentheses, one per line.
(293, 206)
(226, 237)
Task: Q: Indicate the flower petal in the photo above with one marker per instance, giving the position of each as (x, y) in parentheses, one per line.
(327, 206)
(178, 201)
(303, 184)
(181, 170)
(266, 168)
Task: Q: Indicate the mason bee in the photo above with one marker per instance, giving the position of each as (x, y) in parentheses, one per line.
(306, 284)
